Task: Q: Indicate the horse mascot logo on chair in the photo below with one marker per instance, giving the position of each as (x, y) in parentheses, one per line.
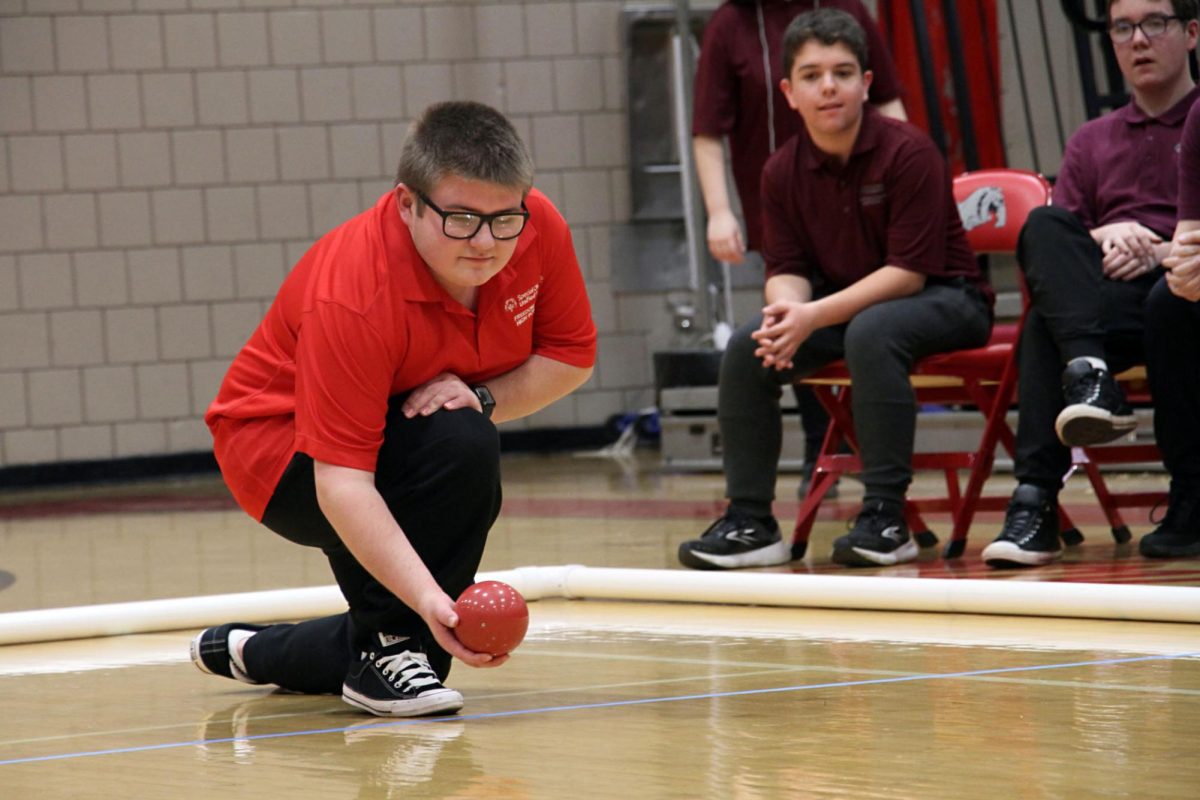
(983, 204)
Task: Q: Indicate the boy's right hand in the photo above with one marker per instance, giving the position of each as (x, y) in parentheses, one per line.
(725, 238)
(440, 615)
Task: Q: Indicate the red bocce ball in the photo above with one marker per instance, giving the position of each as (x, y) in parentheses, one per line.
(492, 618)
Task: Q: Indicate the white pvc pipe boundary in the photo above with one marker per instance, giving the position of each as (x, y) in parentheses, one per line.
(1012, 597)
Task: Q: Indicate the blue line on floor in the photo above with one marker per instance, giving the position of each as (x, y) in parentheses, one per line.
(611, 704)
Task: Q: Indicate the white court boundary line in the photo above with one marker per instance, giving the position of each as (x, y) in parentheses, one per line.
(1012, 598)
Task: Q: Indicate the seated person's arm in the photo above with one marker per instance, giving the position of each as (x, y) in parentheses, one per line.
(885, 283)
(724, 231)
(790, 317)
(1184, 260)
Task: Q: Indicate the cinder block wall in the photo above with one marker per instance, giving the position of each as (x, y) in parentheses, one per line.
(164, 162)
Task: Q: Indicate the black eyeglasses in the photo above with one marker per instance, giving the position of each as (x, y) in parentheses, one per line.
(464, 224)
(1153, 26)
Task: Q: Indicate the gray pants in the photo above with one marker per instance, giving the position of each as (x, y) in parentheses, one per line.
(880, 345)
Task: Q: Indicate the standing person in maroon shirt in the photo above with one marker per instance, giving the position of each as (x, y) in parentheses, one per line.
(737, 97)
(1090, 262)
(867, 261)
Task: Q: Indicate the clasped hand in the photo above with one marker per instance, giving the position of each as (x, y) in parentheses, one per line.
(1129, 249)
(786, 325)
(1183, 279)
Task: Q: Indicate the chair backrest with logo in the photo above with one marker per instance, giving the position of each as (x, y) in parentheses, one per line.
(994, 203)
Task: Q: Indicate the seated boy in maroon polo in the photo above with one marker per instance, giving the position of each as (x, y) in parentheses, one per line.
(866, 261)
(737, 98)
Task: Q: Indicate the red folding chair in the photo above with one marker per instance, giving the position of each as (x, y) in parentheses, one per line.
(993, 204)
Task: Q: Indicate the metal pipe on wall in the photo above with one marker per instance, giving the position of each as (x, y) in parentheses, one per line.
(683, 77)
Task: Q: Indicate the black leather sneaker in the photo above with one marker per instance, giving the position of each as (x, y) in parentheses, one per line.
(1029, 537)
(1178, 535)
(1096, 411)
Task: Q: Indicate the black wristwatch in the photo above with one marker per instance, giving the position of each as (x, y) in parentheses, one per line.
(487, 403)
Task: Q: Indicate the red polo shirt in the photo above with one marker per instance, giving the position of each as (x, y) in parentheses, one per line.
(732, 87)
(1189, 166)
(891, 204)
(360, 319)
(1125, 166)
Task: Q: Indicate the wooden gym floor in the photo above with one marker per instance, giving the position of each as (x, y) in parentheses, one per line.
(604, 699)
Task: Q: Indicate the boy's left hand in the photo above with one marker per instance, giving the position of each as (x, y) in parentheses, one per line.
(446, 391)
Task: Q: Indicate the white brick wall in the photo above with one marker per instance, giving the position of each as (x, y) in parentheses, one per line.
(164, 162)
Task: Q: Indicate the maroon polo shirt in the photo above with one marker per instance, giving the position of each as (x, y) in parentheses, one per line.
(1125, 166)
(732, 87)
(890, 204)
(1189, 166)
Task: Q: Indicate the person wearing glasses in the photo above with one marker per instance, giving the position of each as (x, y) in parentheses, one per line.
(360, 416)
(1090, 261)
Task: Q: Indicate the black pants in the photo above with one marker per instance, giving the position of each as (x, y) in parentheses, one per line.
(814, 420)
(440, 478)
(1173, 364)
(1074, 312)
(880, 345)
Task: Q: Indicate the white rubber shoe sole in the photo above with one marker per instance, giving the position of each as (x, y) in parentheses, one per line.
(439, 701)
(770, 556)
(860, 557)
(1007, 554)
(1083, 425)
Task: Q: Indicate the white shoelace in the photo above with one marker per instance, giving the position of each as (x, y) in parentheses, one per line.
(409, 669)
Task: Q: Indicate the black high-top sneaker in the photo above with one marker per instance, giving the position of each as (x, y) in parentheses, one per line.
(1096, 411)
(1029, 537)
(393, 679)
(1178, 535)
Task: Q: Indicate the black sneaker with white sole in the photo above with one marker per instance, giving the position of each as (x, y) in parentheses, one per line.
(1095, 411)
(736, 540)
(879, 538)
(214, 650)
(1178, 535)
(1029, 537)
(394, 679)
